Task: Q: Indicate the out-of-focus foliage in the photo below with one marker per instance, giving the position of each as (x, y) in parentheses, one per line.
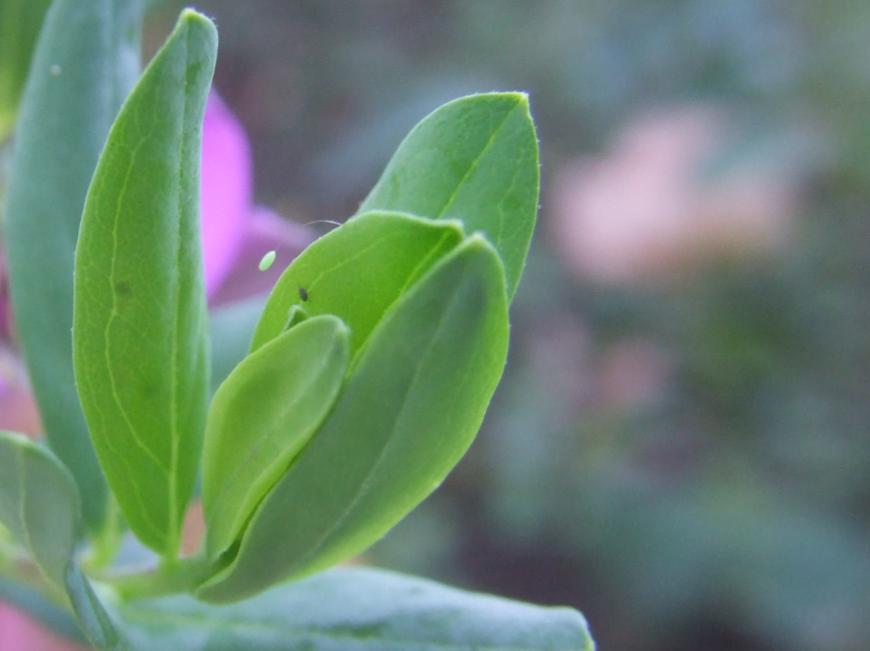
(680, 445)
(355, 609)
(47, 187)
(20, 21)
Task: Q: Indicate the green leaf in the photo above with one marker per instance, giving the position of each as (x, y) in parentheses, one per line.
(260, 418)
(85, 62)
(357, 271)
(139, 320)
(39, 503)
(96, 623)
(20, 21)
(230, 330)
(405, 416)
(474, 159)
(356, 609)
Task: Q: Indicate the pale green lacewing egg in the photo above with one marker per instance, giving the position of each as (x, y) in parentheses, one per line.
(267, 261)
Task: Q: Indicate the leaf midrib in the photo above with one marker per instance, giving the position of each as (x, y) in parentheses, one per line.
(472, 168)
(365, 483)
(313, 378)
(175, 436)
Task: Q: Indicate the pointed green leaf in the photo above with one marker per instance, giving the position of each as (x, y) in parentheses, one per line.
(356, 609)
(85, 62)
(405, 416)
(357, 271)
(95, 622)
(20, 21)
(474, 159)
(39, 503)
(261, 417)
(139, 323)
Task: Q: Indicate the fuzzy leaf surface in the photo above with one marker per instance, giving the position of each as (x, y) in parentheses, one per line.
(474, 159)
(139, 320)
(356, 609)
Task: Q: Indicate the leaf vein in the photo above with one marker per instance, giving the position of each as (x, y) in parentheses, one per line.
(114, 314)
(175, 437)
(472, 168)
(366, 482)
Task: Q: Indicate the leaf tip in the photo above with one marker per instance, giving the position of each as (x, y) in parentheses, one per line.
(191, 19)
(190, 16)
(478, 240)
(520, 100)
(340, 329)
(521, 97)
(457, 225)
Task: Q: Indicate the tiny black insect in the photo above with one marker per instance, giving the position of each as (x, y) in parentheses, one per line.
(303, 293)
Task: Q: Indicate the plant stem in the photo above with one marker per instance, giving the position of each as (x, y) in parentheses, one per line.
(106, 543)
(174, 577)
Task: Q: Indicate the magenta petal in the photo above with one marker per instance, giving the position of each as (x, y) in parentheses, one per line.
(18, 410)
(225, 190)
(5, 311)
(266, 231)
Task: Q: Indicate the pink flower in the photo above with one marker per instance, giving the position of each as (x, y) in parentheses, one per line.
(5, 315)
(17, 408)
(225, 190)
(632, 374)
(650, 208)
(235, 235)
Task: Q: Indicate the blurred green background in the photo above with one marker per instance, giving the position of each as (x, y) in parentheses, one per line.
(680, 445)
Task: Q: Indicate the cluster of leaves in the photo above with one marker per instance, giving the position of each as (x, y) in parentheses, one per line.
(368, 376)
(754, 444)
